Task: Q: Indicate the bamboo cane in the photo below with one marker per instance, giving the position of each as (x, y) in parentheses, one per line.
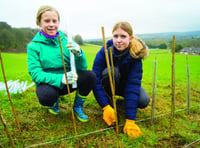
(154, 94)
(111, 84)
(112, 65)
(68, 89)
(14, 112)
(173, 88)
(7, 131)
(188, 87)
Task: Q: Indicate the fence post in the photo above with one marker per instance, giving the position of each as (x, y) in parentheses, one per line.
(173, 88)
(153, 106)
(188, 87)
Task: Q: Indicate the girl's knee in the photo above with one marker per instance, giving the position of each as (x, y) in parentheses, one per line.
(144, 98)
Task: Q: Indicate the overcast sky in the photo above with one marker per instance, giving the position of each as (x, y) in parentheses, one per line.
(86, 17)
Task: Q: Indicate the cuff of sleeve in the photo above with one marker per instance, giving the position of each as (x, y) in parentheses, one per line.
(130, 121)
(80, 52)
(106, 107)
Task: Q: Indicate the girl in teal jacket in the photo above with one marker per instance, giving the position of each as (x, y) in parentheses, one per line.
(46, 67)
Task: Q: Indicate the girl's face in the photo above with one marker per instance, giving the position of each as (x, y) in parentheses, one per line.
(49, 22)
(121, 39)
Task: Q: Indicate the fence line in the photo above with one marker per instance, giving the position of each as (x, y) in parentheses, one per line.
(85, 134)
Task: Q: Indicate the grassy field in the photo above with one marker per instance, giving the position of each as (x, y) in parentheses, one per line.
(41, 129)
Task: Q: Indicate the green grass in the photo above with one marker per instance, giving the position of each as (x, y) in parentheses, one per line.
(38, 126)
(90, 52)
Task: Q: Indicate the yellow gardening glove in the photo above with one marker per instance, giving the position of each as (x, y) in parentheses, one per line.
(131, 129)
(109, 115)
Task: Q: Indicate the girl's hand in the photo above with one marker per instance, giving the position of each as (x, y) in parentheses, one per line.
(109, 115)
(131, 129)
(71, 77)
(74, 47)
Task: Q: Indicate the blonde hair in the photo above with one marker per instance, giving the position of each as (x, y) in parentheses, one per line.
(138, 48)
(43, 9)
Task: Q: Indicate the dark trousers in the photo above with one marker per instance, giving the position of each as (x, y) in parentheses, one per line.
(48, 94)
(120, 84)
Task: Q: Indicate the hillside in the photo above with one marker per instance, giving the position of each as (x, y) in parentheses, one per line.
(163, 35)
(164, 40)
(16, 39)
(168, 35)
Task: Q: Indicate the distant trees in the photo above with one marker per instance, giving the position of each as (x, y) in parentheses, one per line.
(178, 46)
(15, 39)
(163, 46)
(95, 42)
(6, 39)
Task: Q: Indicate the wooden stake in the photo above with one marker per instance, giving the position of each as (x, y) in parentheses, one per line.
(188, 86)
(111, 84)
(7, 131)
(153, 106)
(17, 122)
(173, 88)
(173, 79)
(112, 65)
(68, 89)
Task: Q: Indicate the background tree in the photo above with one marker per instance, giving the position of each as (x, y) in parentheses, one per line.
(163, 46)
(20, 41)
(4, 25)
(7, 39)
(78, 39)
(178, 47)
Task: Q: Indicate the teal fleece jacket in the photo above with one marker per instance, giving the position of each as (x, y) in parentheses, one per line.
(45, 61)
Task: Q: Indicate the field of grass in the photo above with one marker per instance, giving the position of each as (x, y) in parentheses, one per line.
(41, 129)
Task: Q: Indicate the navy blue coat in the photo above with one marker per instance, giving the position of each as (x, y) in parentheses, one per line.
(130, 71)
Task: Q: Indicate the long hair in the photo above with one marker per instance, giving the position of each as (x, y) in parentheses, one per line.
(138, 48)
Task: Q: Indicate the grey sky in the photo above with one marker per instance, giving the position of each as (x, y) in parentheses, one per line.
(86, 17)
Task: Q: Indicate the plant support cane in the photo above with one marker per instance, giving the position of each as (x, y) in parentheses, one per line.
(7, 131)
(173, 90)
(111, 85)
(68, 90)
(17, 122)
(112, 65)
(188, 86)
(153, 105)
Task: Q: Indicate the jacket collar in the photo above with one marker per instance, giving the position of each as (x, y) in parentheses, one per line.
(39, 37)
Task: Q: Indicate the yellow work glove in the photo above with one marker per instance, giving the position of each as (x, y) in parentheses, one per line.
(131, 129)
(109, 115)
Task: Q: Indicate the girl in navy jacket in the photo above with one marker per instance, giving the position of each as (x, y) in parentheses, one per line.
(128, 52)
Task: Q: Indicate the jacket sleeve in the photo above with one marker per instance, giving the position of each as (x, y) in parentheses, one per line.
(36, 71)
(132, 90)
(98, 67)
